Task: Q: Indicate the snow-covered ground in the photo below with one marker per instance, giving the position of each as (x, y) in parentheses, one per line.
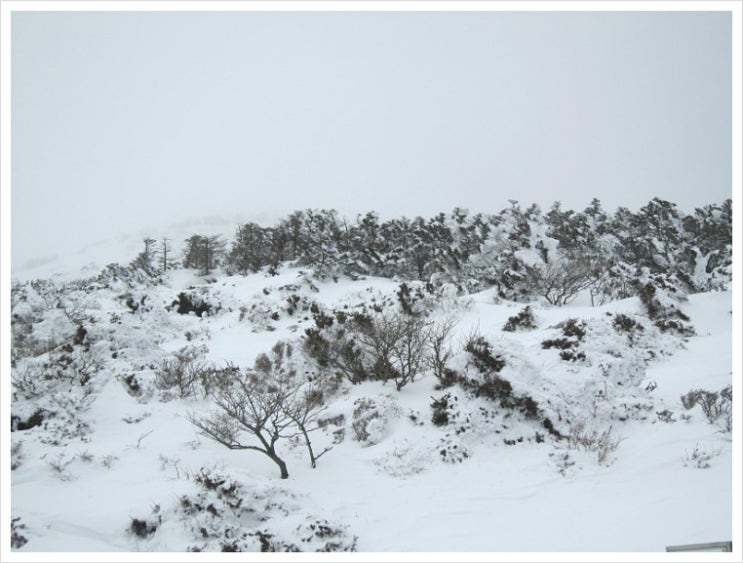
(668, 480)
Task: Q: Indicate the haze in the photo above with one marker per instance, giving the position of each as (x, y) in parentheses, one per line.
(123, 120)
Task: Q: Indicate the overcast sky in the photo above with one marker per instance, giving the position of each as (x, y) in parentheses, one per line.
(122, 121)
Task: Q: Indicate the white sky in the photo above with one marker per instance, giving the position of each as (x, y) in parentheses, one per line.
(122, 121)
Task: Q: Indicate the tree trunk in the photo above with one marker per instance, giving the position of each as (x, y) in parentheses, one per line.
(280, 462)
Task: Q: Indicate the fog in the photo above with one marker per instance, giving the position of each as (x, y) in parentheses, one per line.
(123, 121)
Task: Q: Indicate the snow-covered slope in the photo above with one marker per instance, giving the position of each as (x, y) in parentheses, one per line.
(117, 465)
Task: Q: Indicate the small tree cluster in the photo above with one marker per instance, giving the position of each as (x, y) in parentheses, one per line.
(383, 345)
(204, 253)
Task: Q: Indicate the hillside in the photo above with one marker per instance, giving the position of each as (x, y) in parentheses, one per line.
(440, 418)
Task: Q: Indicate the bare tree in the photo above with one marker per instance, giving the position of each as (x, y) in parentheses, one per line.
(253, 406)
(394, 343)
(266, 409)
(560, 281)
(304, 409)
(439, 350)
(165, 249)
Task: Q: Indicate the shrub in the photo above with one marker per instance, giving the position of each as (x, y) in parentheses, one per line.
(187, 303)
(603, 443)
(185, 372)
(439, 353)
(482, 355)
(227, 515)
(17, 539)
(384, 346)
(716, 406)
(16, 456)
(659, 295)
(573, 332)
(369, 421)
(698, 458)
(142, 528)
(524, 320)
(626, 324)
(440, 409)
(36, 419)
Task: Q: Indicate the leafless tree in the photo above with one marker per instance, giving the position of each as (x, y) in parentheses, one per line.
(253, 406)
(560, 281)
(395, 343)
(265, 409)
(439, 350)
(164, 251)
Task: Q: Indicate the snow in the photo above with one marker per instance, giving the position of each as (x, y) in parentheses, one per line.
(393, 491)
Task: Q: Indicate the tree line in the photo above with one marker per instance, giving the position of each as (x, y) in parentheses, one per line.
(522, 252)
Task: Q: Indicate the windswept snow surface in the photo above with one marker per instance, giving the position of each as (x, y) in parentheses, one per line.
(394, 492)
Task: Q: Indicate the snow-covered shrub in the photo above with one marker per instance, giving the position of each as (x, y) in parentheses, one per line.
(661, 296)
(336, 425)
(698, 458)
(404, 459)
(143, 528)
(716, 406)
(441, 408)
(602, 443)
(16, 455)
(524, 320)
(383, 345)
(666, 416)
(224, 514)
(573, 332)
(370, 419)
(452, 450)
(17, 539)
(186, 372)
(59, 466)
(564, 462)
(485, 381)
(560, 280)
(423, 298)
(194, 301)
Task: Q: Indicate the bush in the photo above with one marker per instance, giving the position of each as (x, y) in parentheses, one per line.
(660, 295)
(716, 406)
(185, 372)
(626, 324)
(187, 303)
(17, 539)
(380, 346)
(524, 320)
(369, 421)
(573, 333)
(16, 456)
(440, 409)
(698, 458)
(227, 515)
(142, 528)
(603, 443)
